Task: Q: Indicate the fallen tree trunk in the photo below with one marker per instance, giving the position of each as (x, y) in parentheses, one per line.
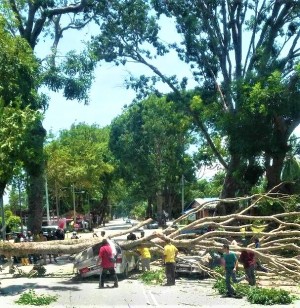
(280, 246)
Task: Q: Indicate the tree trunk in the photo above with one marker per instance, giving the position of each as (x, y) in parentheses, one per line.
(35, 202)
(276, 155)
(3, 223)
(34, 166)
(230, 187)
(273, 171)
(149, 211)
(159, 200)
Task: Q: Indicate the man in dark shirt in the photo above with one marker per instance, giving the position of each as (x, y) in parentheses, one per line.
(131, 237)
(247, 258)
(231, 265)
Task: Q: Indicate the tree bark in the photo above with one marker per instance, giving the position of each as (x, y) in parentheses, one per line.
(34, 166)
(230, 187)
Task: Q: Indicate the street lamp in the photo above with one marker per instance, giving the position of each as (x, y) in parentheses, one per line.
(74, 201)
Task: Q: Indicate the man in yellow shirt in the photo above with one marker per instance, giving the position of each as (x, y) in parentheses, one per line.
(145, 257)
(170, 253)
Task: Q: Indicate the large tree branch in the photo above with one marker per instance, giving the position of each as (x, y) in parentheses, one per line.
(17, 16)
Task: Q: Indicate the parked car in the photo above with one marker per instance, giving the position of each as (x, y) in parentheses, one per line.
(85, 262)
(192, 265)
(197, 231)
(152, 225)
(49, 231)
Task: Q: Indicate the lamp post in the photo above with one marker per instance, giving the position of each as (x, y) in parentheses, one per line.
(20, 204)
(72, 188)
(74, 203)
(182, 194)
(2, 219)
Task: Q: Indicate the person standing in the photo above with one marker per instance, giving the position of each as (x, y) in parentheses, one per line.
(231, 265)
(105, 259)
(170, 253)
(131, 237)
(144, 252)
(247, 258)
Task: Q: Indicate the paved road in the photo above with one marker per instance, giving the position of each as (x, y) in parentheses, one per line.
(131, 292)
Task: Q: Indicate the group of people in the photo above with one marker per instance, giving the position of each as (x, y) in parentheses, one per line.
(59, 234)
(107, 263)
(249, 262)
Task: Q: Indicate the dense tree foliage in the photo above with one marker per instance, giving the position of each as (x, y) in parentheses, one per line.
(18, 101)
(150, 140)
(79, 158)
(244, 56)
(34, 21)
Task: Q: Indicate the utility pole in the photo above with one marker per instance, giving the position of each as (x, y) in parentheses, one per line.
(47, 201)
(20, 204)
(2, 218)
(182, 193)
(74, 205)
(57, 201)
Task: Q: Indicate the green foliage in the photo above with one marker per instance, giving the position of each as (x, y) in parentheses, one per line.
(31, 298)
(271, 296)
(19, 101)
(150, 140)
(12, 221)
(139, 211)
(80, 157)
(248, 101)
(207, 188)
(257, 295)
(155, 277)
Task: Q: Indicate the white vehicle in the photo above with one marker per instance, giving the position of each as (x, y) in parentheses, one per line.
(85, 262)
(192, 265)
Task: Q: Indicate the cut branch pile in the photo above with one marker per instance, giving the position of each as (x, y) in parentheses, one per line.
(279, 237)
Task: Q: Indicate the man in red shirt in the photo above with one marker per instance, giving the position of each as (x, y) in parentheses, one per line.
(247, 258)
(106, 263)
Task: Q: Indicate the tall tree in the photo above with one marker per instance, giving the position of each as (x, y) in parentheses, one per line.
(150, 139)
(243, 52)
(80, 158)
(18, 95)
(49, 19)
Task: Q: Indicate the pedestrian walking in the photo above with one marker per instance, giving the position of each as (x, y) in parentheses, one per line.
(107, 263)
(170, 253)
(247, 258)
(144, 252)
(231, 265)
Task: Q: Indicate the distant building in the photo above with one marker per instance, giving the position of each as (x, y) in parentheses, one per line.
(207, 210)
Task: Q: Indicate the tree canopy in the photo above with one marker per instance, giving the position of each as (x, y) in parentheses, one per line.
(150, 140)
(244, 56)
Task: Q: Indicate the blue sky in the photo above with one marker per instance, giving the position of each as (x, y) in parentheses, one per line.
(108, 94)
